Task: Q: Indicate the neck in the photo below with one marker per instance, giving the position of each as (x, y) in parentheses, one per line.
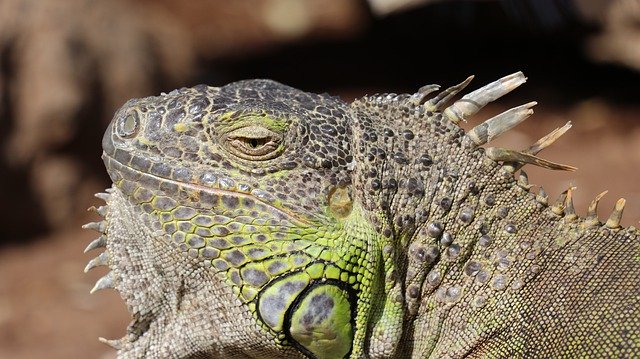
(477, 249)
(454, 218)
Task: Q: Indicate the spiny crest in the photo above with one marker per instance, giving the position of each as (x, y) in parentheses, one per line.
(564, 207)
(107, 281)
(494, 127)
(512, 160)
(473, 102)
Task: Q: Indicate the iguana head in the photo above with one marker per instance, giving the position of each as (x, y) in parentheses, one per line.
(230, 228)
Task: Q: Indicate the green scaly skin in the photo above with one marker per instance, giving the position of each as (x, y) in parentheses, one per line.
(257, 220)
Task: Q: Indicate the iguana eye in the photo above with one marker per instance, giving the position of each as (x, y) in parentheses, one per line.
(253, 143)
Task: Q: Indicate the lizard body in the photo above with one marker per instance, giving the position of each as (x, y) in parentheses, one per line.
(257, 220)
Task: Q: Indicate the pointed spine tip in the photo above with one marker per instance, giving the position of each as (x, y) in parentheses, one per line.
(514, 80)
(114, 343)
(542, 197)
(104, 283)
(96, 226)
(474, 101)
(100, 260)
(614, 220)
(103, 196)
(99, 242)
(523, 180)
(420, 97)
(101, 211)
(548, 140)
(442, 98)
(569, 209)
(499, 124)
(520, 158)
(592, 211)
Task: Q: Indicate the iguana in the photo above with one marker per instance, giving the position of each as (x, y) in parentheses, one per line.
(255, 220)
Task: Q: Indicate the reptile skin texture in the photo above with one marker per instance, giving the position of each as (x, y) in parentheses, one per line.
(255, 220)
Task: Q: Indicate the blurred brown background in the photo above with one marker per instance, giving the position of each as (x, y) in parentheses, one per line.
(67, 65)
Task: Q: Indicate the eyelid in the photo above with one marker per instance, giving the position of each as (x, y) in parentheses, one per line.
(270, 143)
(253, 132)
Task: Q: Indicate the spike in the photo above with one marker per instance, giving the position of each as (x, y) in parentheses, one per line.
(99, 242)
(558, 207)
(543, 143)
(542, 197)
(523, 180)
(473, 102)
(103, 196)
(437, 102)
(420, 97)
(592, 212)
(500, 124)
(506, 155)
(547, 140)
(569, 209)
(110, 190)
(614, 220)
(102, 211)
(114, 343)
(96, 226)
(103, 283)
(101, 260)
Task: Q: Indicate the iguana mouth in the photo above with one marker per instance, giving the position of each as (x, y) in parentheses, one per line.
(210, 185)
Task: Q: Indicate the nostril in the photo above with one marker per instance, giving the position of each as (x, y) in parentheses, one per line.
(128, 125)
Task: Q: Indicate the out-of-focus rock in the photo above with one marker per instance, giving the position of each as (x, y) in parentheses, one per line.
(60, 184)
(619, 40)
(65, 57)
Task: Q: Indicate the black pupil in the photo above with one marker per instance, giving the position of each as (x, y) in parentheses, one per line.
(256, 142)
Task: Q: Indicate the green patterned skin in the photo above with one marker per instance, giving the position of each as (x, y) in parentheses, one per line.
(256, 220)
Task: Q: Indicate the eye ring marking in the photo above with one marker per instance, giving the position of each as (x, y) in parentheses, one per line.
(128, 125)
(253, 143)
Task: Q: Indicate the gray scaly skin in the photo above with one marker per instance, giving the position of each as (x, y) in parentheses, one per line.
(255, 220)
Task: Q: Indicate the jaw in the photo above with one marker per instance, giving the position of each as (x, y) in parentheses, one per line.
(179, 307)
